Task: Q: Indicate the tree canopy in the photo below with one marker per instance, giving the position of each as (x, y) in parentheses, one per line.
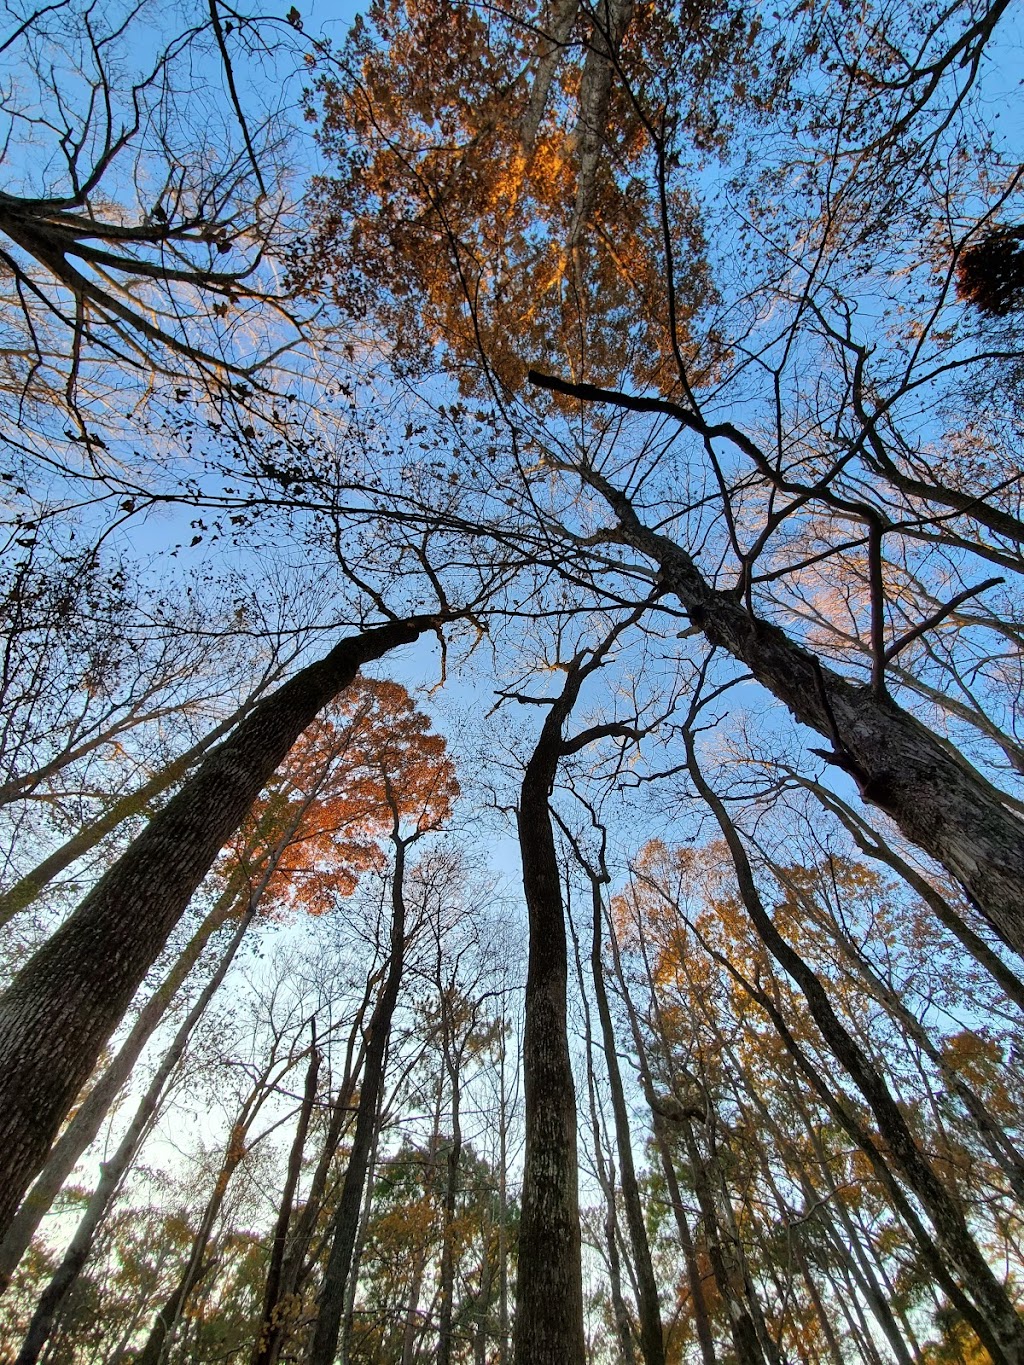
(511, 683)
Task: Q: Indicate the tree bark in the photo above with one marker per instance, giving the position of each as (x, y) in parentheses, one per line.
(67, 1000)
(89, 1116)
(451, 1187)
(652, 1339)
(199, 1265)
(264, 1349)
(723, 1253)
(549, 1288)
(936, 798)
(702, 1320)
(113, 1171)
(294, 1265)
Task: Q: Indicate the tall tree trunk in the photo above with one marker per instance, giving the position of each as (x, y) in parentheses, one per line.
(345, 1225)
(199, 1264)
(605, 1171)
(701, 1317)
(549, 1288)
(652, 1339)
(503, 1126)
(936, 798)
(61, 1008)
(89, 1116)
(1004, 1332)
(702, 1320)
(990, 1130)
(294, 1262)
(359, 1245)
(264, 1348)
(850, 1249)
(723, 1255)
(113, 1171)
(849, 1123)
(451, 1187)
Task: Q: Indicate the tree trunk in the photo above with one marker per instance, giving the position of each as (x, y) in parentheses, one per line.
(199, 1265)
(870, 842)
(1004, 1332)
(549, 1288)
(447, 1268)
(990, 1130)
(346, 1219)
(723, 1255)
(113, 1171)
(936, 798)
(89, 1116)
(604, 1168)
(294, 1261)
(702, 1320)
(264, 1349)
(652, 1340)
(63, 1005)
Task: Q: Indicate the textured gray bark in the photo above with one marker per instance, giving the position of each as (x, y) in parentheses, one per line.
(555, 31)
(112, 1171)
(89, 1116)
(61, 1008)
(935, 797)
(610, 19)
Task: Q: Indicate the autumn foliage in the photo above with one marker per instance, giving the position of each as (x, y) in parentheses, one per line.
(369, 762)
(498, 175)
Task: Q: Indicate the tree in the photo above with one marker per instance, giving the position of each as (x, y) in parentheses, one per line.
(427, 812)
(139, 223)
(78, 985)
(654, 322)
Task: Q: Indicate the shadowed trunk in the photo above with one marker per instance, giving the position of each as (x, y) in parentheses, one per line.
(264, 1350)
(295, 1262)
(652, 1340)
(112, 1172)
(63, 1005)
(549, 1288)
(702, 1320)
(89, 1116)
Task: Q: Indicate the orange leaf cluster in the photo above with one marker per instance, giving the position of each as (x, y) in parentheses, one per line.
(369, 763)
